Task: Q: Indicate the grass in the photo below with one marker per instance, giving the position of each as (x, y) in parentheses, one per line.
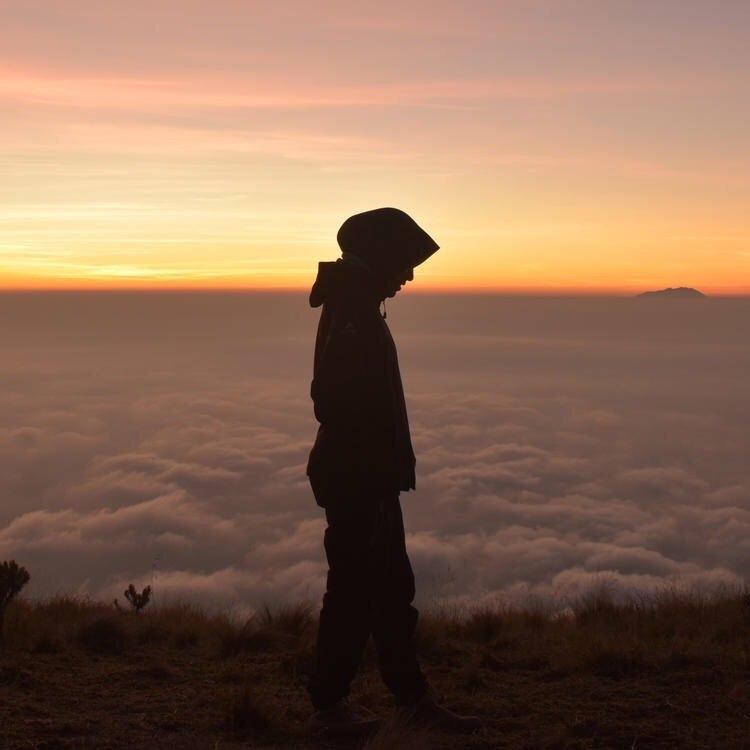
(671, 670)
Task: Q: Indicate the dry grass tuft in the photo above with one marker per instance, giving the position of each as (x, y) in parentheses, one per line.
(104, 635)
(292, 620)
(247, 637)
(292, 626)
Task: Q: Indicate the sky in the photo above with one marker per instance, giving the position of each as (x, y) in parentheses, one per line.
(560, 145)
(563, 444)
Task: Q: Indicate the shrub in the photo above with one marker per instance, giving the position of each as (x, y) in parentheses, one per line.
(13, 578)
(137, 601)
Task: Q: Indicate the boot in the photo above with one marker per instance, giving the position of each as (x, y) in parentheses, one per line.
(429, 713)
(343, 720)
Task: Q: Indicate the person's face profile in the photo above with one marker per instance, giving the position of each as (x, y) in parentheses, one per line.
(394, 284)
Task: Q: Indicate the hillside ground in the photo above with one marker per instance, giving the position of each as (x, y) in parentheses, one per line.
(671, 671)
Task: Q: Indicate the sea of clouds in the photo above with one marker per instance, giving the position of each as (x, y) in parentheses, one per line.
(561, 443)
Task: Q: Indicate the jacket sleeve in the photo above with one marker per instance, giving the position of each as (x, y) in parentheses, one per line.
(346, 384)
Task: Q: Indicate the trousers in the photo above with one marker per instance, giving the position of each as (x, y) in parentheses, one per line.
(369, 591)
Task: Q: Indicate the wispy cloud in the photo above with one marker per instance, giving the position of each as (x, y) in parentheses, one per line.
(163, 94)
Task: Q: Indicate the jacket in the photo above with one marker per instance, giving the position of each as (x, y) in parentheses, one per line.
(363, 444)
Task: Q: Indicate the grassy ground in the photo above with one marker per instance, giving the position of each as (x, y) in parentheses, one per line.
(669, 672)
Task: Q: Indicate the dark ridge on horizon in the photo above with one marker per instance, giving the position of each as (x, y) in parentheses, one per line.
(671, 292)
(678, 292)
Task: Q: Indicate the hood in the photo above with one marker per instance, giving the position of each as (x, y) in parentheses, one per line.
(387, 240)
(342, 281)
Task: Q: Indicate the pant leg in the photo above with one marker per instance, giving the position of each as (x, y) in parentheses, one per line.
(346, 616)
(395, 619)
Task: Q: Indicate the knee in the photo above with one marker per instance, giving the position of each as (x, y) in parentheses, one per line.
(395, 616)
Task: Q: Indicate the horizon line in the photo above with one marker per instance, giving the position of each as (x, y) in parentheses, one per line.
(621, 292)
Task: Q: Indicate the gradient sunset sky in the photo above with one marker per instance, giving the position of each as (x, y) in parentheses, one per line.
(565, 145)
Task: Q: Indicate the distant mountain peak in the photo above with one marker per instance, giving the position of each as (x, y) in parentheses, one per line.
(679, 292)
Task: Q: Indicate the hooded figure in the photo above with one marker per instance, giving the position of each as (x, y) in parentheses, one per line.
(362, 459)
(363, 440)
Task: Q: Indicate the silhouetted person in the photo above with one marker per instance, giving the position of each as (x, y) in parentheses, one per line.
(362, 459)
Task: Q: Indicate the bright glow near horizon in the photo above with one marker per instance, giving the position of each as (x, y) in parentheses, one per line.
(583, 145)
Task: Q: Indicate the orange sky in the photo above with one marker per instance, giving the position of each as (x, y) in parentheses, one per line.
(568, 145)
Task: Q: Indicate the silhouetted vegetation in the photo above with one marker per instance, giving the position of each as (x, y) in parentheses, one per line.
(13, 578)
(137, 600)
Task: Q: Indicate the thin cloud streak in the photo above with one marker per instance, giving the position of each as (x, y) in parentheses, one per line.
(162, 94)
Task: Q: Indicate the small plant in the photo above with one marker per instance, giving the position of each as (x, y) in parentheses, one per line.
(13, 578)
(138, 601)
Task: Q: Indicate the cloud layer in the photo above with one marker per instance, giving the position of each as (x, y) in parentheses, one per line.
(163, 439)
